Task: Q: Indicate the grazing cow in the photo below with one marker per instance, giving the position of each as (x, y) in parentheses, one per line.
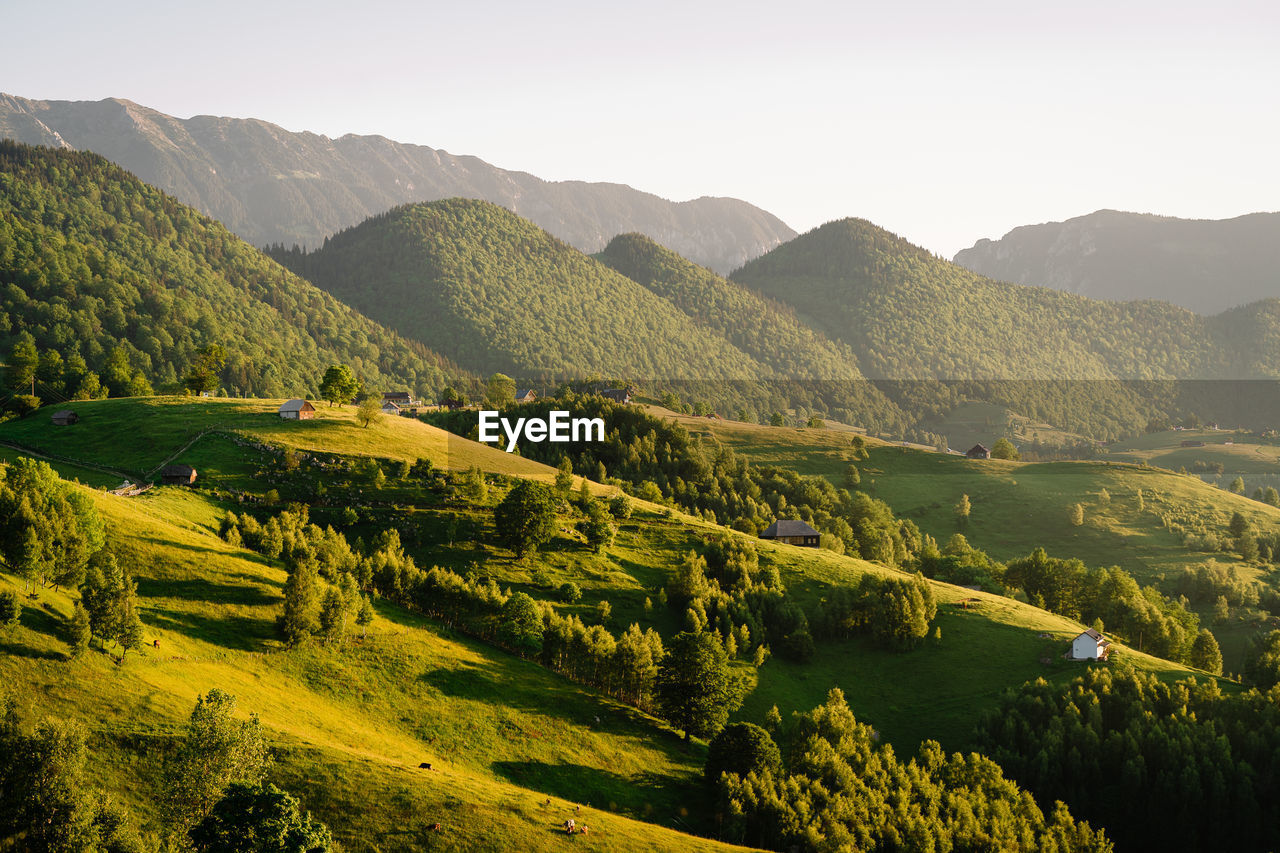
(426, 765)
(435, 827)
(155, 643)
(584, 829)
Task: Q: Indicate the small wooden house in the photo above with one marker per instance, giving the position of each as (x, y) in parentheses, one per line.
(177, 475)
(526, 395)
(792, 532)
(1090, 645)
(66, 417)
(297, 410)
(617, 395)
(978, 451)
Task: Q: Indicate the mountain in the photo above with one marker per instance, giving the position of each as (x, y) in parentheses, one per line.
(111, 277)
(270, 185)
(1201, 264)
(932, 333)
(498, 293)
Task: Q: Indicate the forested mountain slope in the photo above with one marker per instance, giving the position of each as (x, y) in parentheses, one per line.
(110, 276)
(1205, 265)
(270, 185)
(911, 315)
(498, 293)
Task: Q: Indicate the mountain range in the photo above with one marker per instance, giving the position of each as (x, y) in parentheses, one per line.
(270, 185)
(1206, 265)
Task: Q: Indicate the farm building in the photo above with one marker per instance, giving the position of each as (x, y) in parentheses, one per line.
(792, 532)
(400, 398)
(177, 475)
(978, 451)
(297, 410)
(526, 395)
(617, 395)
(1090, 645)
(390, 408)
(66, 417)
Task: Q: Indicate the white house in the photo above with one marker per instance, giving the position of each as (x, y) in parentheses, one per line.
(390, 408)
(1090, 645)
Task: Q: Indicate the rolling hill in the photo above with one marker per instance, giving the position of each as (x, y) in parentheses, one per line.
(351, 722)
(1208, 266)
(1150, 521)
(270, 185)
(108, 276)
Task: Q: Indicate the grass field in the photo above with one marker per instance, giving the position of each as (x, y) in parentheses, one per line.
(352, 724)
(1017, 507)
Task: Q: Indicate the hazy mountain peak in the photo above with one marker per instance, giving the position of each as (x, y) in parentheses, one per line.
(272, 185)
(1202, 264)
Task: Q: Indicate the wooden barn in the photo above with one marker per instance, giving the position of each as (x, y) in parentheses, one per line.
(792, 532)
(66, 417)
(526, 395)
(297, 410)
(978, 451)
(177, 475)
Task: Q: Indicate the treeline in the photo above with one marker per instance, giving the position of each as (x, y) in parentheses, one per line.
(113, 287)
(833, 787)
(623, 666)
(1146, 618)
(1179, 766)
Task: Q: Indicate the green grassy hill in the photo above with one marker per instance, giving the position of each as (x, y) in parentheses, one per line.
(111, 277)
(1017, 507)
(351, 726)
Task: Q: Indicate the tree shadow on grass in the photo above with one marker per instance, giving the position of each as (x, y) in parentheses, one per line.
(229, 630)
(34, 618)
(196, 589)
(645, 796)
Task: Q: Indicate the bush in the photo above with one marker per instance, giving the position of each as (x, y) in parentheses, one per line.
(741, 748)
(569, 592)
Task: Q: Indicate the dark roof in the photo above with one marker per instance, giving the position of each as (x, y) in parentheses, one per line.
(177, 471)
(521, 393)
(788, 527)
(1090, 633)
(395, 395)
(979, 448)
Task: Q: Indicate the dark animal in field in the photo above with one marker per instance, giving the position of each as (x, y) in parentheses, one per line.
(426, 765)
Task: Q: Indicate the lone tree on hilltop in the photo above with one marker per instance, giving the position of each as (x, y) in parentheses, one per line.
(368, 411)
(339, 384)
(1004, 449)
(526, 517)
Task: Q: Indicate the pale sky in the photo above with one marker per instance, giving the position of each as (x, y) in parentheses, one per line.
(942, 121)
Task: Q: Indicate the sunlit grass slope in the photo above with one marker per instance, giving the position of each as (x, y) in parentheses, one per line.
(352, 723)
